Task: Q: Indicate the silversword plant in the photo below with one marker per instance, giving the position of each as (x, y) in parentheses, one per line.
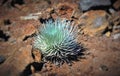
(57, 41)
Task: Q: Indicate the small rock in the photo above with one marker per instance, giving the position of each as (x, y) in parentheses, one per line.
(116, 27)
(2, 59)
(103, 68)
(29, 17)
(116, 36)
(112, 11)
(34, 16)
(108, 34)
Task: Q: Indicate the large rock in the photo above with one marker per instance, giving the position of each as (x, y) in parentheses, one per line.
(17, 62)
(87, 4)
(93, 23)
(22, 30)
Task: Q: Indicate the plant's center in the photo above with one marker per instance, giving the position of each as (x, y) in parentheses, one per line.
(53, 32)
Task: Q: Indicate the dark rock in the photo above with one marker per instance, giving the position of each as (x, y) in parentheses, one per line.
(13, 2)
(3, 36)
(2, 59)
(7, 22)
(88, 4)
(116, 5)
(37, 67)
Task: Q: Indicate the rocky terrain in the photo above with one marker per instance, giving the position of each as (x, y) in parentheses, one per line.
(99, 32)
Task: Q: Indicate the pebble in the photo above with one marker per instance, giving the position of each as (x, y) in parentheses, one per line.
(103, 68)
(108, 34)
